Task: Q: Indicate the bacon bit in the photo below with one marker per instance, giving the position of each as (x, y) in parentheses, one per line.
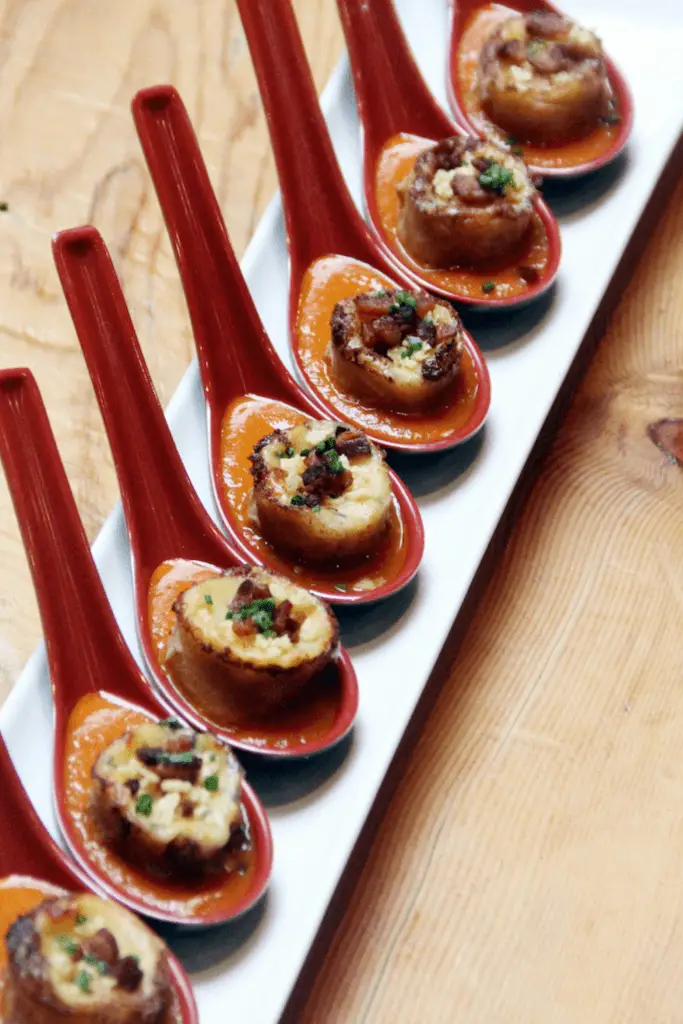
(548, 60)
(668, 436)
(513, 50)
(545, 24)
(248, 592)
(371, 306)
(244, 627)
(187, 808)
(352, 443)
(128, 974)
(133, 785)
(102, 946)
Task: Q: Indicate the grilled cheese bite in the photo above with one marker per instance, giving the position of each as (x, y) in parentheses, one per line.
(86, 960)
(168, 798)
(246, 641)
(398, 349)
(322, 492)
(464, 202)
(543, 78)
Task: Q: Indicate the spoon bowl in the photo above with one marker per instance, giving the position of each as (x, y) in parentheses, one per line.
(32, 868)
(400, 119)
(167, 524)
(96, 684)
(333, 254)
(471, 22)
(237, 359)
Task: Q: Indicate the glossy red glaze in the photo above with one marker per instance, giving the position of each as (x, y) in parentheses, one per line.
(393, 99)
(86, 651)
(236, 356)
(461, 13)
(27, 848)
(29, 852)
(320, 215)
(165, 517)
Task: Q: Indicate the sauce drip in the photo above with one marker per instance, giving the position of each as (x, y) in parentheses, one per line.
(246, 421)
(329, 280)
(394, 164)
(479, 26)
(296, 726)
(93, 724)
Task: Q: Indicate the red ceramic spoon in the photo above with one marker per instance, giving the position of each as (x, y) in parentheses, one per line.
(332, 252)
(32, 867)
(400, 119)
(166, 520)
(248, 390)
(471, 22)
(98, 689)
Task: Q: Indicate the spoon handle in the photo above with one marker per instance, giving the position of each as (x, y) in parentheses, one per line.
(81, 634)
(26, 847)
(235, 353)
(391, 93)
(320, 214)
(164, 514)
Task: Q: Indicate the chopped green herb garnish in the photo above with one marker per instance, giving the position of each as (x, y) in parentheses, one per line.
(68, 945)
(517, 150)
(379, 294)
(95, 962)
(229, 615)
(83, 981)
(144, 805)
(4, 207)
(181, 757)
(341, 587)
(411, 347)
(511, 140)
(211, 783)
(208, 598)
(334, 461)
(316, 508)
(326, 445)
(172, 723)
(496, 177)
(288, 453)
(259, 611)
(297, 500)
(81, 918)
(402, 299)
(305, 451)
(269, 632)
(488, 286)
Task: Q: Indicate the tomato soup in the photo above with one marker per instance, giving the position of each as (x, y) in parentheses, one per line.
(246, 421)
(511, 276)
(329, 280)
(295, 727)
(95, 723)
(478, 27)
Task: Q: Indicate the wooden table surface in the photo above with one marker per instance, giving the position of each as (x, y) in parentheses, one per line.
(529, 866)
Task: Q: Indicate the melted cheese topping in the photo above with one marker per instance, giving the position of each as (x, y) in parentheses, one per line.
(215, 808)
(524, 77)
(368, 495)
(518, 193)
(85, 916)
(208, 619)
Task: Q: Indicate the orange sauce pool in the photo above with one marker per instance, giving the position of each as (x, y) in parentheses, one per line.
(246, 421)
(93, 725)
(329, 280)
(296, 726)
(394, 164)
(479, 26)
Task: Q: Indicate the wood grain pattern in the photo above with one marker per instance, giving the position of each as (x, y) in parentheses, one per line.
(528, 869)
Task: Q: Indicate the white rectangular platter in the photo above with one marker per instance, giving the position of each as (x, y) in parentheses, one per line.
(318, 808)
